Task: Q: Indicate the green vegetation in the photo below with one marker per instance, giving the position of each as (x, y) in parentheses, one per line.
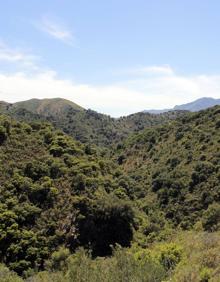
(86, 126)
(55, 191)
(191, 256)
(180, 163)
(147, 208)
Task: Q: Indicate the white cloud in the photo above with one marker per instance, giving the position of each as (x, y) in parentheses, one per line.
(158, 70)
(10, 55)
(56, 30)
(147, 70)
(118, 99)
(146, 87)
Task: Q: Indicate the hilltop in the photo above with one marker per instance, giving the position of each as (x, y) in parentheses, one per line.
(47, 107)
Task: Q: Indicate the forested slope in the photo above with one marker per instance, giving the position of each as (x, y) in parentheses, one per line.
(180, 162)
(157, 197)
(54, 191)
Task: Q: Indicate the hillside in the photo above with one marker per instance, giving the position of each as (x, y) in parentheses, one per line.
(180, 162)
(58, 194)
(86, 126)
(53, 189)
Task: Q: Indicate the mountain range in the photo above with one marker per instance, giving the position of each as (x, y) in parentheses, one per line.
(197, 105)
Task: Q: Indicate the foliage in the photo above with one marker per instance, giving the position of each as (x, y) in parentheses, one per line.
(200, 260)
(51, 199)
(8, 276)
(104, 223)
(169, 255)
(183, 171)
(86, 126)
(211, 218)
(58, 260)
(75, 212)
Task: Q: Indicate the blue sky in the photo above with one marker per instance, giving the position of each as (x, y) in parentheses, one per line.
(116, 57)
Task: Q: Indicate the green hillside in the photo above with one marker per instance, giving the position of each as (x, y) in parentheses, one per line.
(49, 185)
(180, 162)
(150, 212)
(87, 126)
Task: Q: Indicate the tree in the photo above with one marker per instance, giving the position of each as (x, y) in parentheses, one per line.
(211, 218)
(103, 223)
(3, 134)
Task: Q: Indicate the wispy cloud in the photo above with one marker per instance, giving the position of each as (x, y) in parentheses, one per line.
(147, 70)
(17, 56)
(158, 70)
(56, 30)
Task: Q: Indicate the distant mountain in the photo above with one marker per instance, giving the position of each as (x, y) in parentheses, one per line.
(84, 125)
(197, 105)
(200, 104)
(157, 112)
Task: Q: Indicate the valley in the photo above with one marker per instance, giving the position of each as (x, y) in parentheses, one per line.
(83, 194)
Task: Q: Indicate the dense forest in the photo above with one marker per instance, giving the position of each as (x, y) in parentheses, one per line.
(85, 197)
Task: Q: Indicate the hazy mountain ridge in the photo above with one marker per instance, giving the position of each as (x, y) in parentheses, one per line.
(197, 105)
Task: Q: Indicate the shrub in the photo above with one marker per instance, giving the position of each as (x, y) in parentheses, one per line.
(58, 259)
(3, 135)
(170, 255)
(35, 170)
(205, 274)
(8, 276)
(211, 218)
(103, 223)
(122, 266)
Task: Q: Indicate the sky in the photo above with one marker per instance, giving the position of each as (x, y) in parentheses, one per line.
(113, 56)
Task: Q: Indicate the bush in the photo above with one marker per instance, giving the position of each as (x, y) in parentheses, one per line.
(3, 135)
(211, 218)
(103, 223)
(36, 170)
(205, 274)
(58, 259)
(121, 267)
(8, 276)
(170, 255)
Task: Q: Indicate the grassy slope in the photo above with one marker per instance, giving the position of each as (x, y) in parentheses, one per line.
(47, 107)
